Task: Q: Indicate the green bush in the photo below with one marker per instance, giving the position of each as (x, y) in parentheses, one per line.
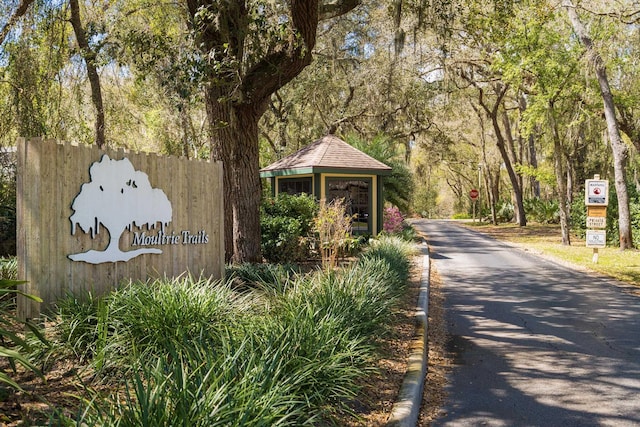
(9, 268)
(505, 211)
(286, 226)
(260, 276)
(542, 211)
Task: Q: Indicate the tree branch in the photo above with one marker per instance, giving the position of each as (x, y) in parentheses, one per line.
(20, 11)
(334, 8)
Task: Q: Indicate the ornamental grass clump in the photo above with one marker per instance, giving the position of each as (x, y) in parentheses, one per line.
(395, 252)
(200, 353)
(143, 320)
(14, 347)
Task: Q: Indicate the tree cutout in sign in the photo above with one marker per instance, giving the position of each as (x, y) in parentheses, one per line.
(117, 197)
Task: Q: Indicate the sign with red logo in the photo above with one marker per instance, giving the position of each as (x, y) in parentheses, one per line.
(596, 192)
(474, 194)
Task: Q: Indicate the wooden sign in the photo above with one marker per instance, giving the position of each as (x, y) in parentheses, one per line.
(597, 211)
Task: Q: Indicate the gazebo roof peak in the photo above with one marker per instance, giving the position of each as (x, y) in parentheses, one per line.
(328, 152)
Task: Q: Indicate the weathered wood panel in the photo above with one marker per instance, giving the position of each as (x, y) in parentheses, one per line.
(51, 176)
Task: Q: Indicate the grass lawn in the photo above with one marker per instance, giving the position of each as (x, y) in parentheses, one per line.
(545, 239)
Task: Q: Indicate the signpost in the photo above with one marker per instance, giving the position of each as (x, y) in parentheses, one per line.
(596, 198)
(474, 194)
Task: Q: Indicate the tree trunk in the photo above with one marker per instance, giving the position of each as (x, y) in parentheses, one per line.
(561, 190)
(618, 147)
(494, 184)
(89, 57)
(533, 161)
(236, 145)
(521, 218)
(238, 92)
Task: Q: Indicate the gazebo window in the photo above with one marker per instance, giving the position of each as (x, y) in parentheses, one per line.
(295, 185)
(357, 197)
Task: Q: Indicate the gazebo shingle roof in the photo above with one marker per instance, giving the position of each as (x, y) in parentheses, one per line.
(327, 153)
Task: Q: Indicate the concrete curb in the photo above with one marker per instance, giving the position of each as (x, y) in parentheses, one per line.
(406, 410)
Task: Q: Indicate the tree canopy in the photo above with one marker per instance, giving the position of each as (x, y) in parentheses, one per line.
(501, 95)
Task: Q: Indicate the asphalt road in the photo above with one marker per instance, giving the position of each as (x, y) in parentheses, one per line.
(534, 343)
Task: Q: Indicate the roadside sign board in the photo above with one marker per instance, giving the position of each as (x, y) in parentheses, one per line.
(596, 222)
(596, 238)
(596, 192)
(597, 211)
(474, 194)
(596, 216)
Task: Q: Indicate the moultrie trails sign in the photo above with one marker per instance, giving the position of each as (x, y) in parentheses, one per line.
(90, 219)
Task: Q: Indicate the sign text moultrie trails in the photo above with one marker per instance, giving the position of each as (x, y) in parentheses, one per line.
(89, 219)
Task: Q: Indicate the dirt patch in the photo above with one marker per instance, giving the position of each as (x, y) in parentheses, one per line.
(440, 360)
(513, 232)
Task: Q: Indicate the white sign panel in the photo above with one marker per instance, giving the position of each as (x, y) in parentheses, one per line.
(596, 222)
(117, 197)
(596, 238)
(596, 192)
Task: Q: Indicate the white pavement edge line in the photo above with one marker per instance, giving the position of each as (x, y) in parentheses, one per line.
(406, 409)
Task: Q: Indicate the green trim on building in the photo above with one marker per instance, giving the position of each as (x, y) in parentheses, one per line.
(317, 170)
(317, 186)
(370, 212)
(380, 207)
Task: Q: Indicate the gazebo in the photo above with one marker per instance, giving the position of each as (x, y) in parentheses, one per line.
(329, 169)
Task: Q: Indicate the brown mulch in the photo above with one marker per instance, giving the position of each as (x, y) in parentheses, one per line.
(440, 361)
(382, 389)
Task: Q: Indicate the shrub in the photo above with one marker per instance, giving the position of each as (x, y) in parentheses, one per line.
(9, 268)
(333, 226)
(197, 353)
(13, 347)
(505, 211)
(394, 224)
(286, 223)
(393, 221)
(542, 211)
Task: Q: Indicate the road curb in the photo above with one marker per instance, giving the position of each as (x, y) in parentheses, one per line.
(406, 409)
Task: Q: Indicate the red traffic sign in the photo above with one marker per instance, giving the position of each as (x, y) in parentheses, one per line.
(474, 194)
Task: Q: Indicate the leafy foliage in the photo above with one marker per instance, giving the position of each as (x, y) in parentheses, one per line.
(286, 224)
(542, 211)
(505, 211)
(392, 220)
(398, 187)
(198, 353)
(13, 345)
